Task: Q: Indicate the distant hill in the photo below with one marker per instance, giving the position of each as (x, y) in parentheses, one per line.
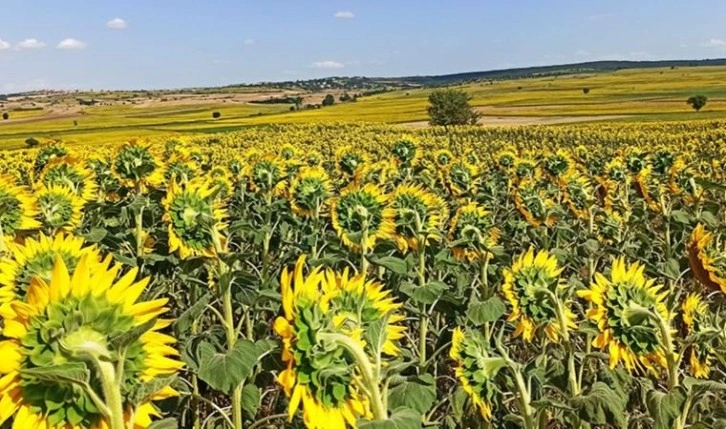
(375, 84)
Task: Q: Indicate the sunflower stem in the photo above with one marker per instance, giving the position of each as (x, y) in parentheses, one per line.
(667, 340)
(424, 321)
(111, 393)
(364, 247)
(370, 380)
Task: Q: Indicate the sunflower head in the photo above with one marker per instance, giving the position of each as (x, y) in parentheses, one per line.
(406, 152)
(309, 191)
(530, 286)
(220, 178)
(616, 171)
(59, 208)
(476, 368)
(73, 323)
(135, 164)
(663, 160)
(558, 164)
(506, 159)
(349, 160)
(178, 169)
(533, 205)
(266, 174)
(696, 322)
(636, 160)
(18, 207)
(625, 307)
(420, 215)
(610, 227)
(194, 217)
(650, 189)
(313, 158)
(707, 262)
(471, 157)
(443, 157)
(473, 233)
(462, 177)
(71, 172)
(525, 168)
(319, 373)
(47, 154)
(578, 194)
(682, 181)
(361, 215)
(288, 152)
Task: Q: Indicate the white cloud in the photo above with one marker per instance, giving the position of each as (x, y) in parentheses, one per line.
(4, 45)
(328, 65)
(71, 44)
(344, 15)
(116, 24)
(30, 44)
(249, 42)
(714, 43)
(582, 53)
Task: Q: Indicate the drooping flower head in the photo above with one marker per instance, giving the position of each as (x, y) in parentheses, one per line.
(695, 314)
(476, 368)
(682, 182)
(650, 189)
(473, 233)
(708, 263)
(194, 218)
(618, 307)
(530, 286)
(419, 214)
(578, 195)
(533, 204)
(73, 324)
(362, 211)
(310, 191)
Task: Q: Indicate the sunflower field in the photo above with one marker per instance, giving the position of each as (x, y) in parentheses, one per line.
(340, 276)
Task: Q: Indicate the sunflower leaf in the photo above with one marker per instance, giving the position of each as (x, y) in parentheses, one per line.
(417, 393)
(665, 408)
(601, 406)
(402, 418)
(186, 319)
(251, 396)
(74, 372)
(391, 263)
(225, 371)
(481, 312)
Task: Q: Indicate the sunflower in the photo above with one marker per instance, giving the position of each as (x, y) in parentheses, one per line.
(505, 159)
(220, 178)
(406, 152)
(443, 157)
(476, 369)
(323, 303)
(35, 258)
(533, 205)
(288, 152)
(194, 217)
(473, 233)
(529, 287)
(650, 189)
(178, 168)
(636, 160)
(461, 177)
(419, 213)
(73, 323)
(135, 165)
(558, 164)
(18, 208)
(59, 208)
(71, 172)
(266, 174)
(309, 191)
(377, 173)
(695, 311)
(349, 160)
(47, 154)
(361, 216)
(707, 263)
(578, 194)
(525, 169)
(663, 160)
(618, 309)
(682, 182)
(610, 227)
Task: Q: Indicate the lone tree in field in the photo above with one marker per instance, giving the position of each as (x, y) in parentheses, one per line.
(31, 142)
(449, 107)
(216, 115)
(6, 116)
(697, 102)
(329, 100)
(585, 90)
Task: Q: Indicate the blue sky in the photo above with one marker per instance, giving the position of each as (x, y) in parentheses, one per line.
(135, 44)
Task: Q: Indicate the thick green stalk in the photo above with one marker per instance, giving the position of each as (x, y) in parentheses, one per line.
(111, 393)
(524, 397)
(364, 248)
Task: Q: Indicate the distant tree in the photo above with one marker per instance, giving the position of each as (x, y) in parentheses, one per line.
(31, 142)
(216, 115)
(585, 90)
(697, 102)
(449, 107)
(329, 100)
(292, 108)
(298, 101)
(345, 97)
(6, 116)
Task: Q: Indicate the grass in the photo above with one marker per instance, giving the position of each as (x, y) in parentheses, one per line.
(634, 95)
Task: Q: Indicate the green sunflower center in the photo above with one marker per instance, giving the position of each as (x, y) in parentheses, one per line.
(631, 327)
(56, 210)
(192, 218)
(358, 208)
(10, 213)
(58, 338)
(533, 286)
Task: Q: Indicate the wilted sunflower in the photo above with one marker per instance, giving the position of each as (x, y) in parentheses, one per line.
(59, 208)
(134, 166)
(18, 208)
(695, 311)
(476, 369)
(194, 217)
(361, 216)
(310, 190)
(650, 189)
(321, 304)
(625, 308)
(419, 214)
(531, 286)
(473, 233)
(71, 172)
(35, 258)
(708, 264)
(682, 182)
(72, 324)
(406, 152)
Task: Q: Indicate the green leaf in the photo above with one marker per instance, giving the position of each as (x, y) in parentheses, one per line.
(74, 372)
(672, 269)
(665, 408)
(417, 393)
(186, 319)
(680, 216)
(488, 311)
(169, 423)
(144, 392)
(95, 235)
(426, 294)
(601, 406)
(225, 371)
(251, 396)
(402, 418)
(391, 263)
(127, 338)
